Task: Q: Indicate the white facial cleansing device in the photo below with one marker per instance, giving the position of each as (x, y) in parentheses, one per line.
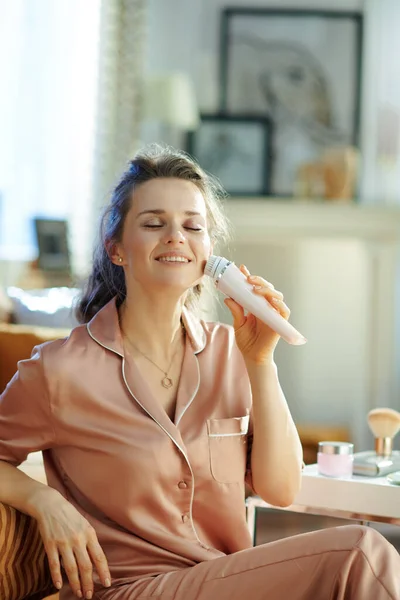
(233, 283)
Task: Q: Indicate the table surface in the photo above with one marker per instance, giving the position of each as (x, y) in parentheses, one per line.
(361, 498)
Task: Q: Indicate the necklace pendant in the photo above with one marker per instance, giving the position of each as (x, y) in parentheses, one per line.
(166, 382)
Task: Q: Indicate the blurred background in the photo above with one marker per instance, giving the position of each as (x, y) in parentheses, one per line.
(294, 105)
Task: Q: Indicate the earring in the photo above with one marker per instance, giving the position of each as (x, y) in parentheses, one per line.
(119, 259)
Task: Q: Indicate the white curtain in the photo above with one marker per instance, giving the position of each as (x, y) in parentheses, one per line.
(70, 73)
(123, 32)
(48, 82)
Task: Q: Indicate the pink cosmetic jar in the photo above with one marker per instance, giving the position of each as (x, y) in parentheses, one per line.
(335, 459)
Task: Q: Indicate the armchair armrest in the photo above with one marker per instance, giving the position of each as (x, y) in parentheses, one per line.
(24, 570)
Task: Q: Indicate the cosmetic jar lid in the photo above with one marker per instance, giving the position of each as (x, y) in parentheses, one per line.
(335, 447)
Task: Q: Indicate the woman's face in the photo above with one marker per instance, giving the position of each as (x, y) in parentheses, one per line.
(165, 240)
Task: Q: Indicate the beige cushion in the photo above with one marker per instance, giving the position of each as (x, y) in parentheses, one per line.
(24, 570)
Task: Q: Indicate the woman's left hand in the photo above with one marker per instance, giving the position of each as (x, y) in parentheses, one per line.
(256, 340)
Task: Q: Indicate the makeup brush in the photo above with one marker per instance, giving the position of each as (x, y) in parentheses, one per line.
(384, 424)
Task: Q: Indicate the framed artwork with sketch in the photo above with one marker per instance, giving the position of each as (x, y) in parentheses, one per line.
(236, 149)
(300, 68)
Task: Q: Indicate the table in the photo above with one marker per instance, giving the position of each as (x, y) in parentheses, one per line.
(360, 498)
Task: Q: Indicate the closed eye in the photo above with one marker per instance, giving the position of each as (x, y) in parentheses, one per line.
(158, 226)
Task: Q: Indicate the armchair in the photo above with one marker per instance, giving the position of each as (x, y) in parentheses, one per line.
(24, 570)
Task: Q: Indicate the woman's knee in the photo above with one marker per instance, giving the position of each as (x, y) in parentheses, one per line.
(349, 536)
(361, 534)
(372, 566)
(367, 539)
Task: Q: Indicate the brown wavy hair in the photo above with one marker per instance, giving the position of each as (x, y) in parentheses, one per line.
(107, 280)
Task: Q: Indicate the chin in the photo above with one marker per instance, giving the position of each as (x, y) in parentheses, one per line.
(180, 284)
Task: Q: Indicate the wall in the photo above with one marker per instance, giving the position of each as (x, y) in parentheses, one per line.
(327, 283)
(381, 98)
(183, 35)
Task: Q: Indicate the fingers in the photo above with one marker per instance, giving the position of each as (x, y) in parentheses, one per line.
(71, 545)
(244, 270)
(267, 290)
(237, 312)
(54, 564)
(85, 569)
(256, 280)
(99, 560)
(280, 307)
(71, 568)
(259, 283)
(77, 561)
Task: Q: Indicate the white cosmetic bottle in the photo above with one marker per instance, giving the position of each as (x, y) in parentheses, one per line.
(233, 283)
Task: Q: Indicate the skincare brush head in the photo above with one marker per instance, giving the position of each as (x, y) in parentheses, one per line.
(384, 424)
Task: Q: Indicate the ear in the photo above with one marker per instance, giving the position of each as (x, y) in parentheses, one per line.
(114, 251)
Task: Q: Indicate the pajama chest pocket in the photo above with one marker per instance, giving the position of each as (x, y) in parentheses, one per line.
(227, 439)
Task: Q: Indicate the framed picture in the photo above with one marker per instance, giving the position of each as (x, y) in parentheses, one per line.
(52, 243)
(302, 69)
(236, 149)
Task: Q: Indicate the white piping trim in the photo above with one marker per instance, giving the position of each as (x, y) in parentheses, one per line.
(159, 424)
(202, 348)
(194, 395)
(225, 434)
(101, 344)
(177, 445)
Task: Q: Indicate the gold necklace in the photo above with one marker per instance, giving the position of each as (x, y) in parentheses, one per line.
(166, 381)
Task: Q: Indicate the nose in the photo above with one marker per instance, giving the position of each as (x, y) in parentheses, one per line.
(174, 235)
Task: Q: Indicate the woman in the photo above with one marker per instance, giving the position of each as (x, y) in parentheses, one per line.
(150, 421)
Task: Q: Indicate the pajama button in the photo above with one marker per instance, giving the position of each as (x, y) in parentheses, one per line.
(185, 518)
(182, 485)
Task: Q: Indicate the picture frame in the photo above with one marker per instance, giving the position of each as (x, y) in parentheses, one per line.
(52, 244)
(236, 149)
(287, 64)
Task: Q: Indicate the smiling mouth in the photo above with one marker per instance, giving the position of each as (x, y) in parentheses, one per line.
(173, 260)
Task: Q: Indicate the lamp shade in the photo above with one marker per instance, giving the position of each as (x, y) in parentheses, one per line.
(171, 100)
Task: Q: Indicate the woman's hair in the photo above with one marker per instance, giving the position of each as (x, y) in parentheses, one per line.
(108, 280)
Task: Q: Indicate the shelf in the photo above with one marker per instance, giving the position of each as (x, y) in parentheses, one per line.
(262, 219)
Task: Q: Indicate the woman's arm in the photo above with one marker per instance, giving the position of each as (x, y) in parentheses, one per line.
(66, 534)
(277, 455)
(21, 491)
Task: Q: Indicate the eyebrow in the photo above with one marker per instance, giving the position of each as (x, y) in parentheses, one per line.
(159, 211)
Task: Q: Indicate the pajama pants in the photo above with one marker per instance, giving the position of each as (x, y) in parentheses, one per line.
(340, 563)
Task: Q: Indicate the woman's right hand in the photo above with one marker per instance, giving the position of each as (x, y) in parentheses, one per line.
(70, 542)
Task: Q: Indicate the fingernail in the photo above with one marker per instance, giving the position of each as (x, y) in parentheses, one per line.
(107, 582)
(252, 277)
(88, 595)
(79, 593)
(58, 585)
(257, 287)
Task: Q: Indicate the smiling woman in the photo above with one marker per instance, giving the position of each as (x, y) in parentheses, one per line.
(151, 420)
(177, 193)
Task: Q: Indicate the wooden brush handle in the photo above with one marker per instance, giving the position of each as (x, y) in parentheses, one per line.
(384, 424)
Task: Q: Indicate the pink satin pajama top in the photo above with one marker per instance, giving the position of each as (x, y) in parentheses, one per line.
(161, 495)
